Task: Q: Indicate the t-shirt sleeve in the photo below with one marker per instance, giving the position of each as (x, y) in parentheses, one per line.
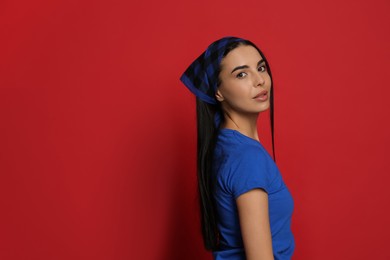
(249, 170)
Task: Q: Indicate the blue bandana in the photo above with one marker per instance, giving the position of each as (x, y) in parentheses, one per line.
(201, 77)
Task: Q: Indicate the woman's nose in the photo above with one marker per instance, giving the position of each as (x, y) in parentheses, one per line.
(259, 79)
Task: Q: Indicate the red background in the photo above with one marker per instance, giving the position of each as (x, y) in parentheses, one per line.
(97, 134)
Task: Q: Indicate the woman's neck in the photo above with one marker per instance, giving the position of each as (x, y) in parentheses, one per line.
(246, 125)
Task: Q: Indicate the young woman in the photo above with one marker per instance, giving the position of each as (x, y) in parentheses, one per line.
(246, 207)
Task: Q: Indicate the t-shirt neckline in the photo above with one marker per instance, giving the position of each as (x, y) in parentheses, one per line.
(238, 133)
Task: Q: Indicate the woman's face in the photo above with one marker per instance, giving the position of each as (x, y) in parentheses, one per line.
(245, 83)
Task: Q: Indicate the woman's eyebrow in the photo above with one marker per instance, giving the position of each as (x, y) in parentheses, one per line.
(245, 66)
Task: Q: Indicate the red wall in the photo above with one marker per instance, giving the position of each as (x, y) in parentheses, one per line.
(97, 134)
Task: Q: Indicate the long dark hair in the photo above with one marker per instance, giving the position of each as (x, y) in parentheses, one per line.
(207, 137)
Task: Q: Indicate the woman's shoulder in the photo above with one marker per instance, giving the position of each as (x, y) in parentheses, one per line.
(235, 143)
(234, 148)
(237, 152)
(242, 163)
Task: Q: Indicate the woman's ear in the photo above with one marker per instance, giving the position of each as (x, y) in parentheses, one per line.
(219, 96)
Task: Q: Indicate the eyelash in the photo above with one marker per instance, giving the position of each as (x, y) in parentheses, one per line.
(262, 66)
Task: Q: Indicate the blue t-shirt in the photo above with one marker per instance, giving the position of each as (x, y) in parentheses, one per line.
(241, 164)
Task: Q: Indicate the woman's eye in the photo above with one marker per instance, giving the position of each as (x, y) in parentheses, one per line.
(262, 68)
(241, 75)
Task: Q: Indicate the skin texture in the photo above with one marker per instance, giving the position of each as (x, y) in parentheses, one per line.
(236, 94)
(254, 222)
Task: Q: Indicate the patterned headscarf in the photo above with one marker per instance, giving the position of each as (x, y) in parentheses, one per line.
(201, 77)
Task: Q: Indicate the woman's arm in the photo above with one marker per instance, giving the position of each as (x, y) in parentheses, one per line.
(254, 222)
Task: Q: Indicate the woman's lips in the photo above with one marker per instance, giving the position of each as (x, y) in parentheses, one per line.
(262, 96)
